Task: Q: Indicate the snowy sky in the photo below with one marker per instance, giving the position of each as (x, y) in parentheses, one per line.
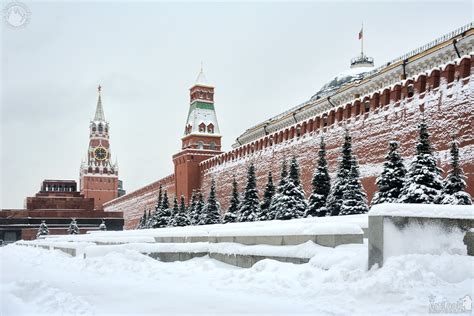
(262, 57)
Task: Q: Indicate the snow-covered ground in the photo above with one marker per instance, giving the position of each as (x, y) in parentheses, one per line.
(39, 281)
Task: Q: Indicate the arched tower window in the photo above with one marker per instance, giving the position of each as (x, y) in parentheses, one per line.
(200, 145)
(93, 128)
(202, 128)
(212, 146)
(100, 128)
(210, 128)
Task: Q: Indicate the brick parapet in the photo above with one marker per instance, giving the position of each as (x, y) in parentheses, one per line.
(133, 204)
(357, 110)
(446, 108)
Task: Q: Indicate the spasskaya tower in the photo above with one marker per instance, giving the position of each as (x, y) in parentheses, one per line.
(98, 175)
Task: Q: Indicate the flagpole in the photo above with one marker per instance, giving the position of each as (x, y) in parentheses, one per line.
(362, 41)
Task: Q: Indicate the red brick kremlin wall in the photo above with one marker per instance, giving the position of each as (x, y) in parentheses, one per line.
(444, 98)
(134, 203)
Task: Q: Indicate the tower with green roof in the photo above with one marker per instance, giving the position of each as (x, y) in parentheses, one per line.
(201, 139)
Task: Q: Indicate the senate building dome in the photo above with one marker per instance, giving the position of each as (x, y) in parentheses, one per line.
(361, 66)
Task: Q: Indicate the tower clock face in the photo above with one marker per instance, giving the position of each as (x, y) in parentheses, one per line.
(100, 153)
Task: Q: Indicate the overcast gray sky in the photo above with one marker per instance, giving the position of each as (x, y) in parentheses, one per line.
(262, 58)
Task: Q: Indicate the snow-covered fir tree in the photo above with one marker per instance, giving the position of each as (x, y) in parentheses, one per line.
(102, 226)
(149, 219)
(232, 213)
(162, 214)
(143, 221)
(182, 204)
(196, 219)
(423, 183)
(335, 199)
(174, 212)
(42, 230)
(390, 182)
(272, 210)
(454, 184)
(146, 219)
(160, 197)
(211, 212)
(181, 217)
(165, 204)
(283, 177)
(268, 194)
(73, 229)
(321, 184)
(290, 203)
(192, 208)
(354, 197)
(249, 205)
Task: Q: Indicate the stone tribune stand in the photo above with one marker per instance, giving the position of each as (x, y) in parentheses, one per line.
(444, 217)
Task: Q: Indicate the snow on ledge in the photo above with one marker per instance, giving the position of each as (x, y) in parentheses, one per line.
(423, 210)
(290, 228)
(306, 250)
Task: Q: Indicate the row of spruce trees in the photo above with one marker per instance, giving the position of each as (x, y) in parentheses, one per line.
(73, 228)
(422, 183)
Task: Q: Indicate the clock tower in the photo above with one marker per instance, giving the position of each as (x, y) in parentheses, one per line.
(98, 175)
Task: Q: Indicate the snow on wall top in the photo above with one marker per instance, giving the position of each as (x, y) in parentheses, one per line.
(332, 87)
(423, 210)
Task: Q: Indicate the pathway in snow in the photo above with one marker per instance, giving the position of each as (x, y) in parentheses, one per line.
(50, 282)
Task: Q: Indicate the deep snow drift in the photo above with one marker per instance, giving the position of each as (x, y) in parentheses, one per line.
(39, 281)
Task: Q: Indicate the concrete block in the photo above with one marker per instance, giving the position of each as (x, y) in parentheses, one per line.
(69, 251)
(326, 240)
(269, 240)
(469, 242)
(375, 240)
(226, 258)
(222, 239)
(348, 239)
(245, 261)
(376, 232)
(178, 239)
(297, 260)
(168, 256)
(167, 239)
(197, 239)
(366, 232)
(245, 240)
(297, 239)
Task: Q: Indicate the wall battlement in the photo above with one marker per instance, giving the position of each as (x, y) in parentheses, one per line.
(447, 109)
(359, 109)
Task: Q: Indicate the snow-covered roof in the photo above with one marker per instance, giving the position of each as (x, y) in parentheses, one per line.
(201, 112)
(201, 78)
(348, 76)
